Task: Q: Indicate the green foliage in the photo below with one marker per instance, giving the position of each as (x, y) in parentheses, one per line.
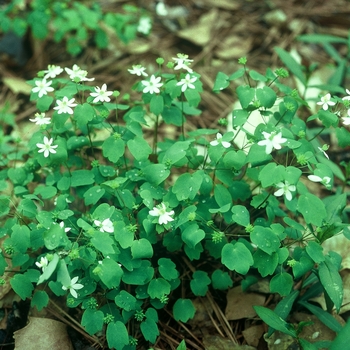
(102, 214)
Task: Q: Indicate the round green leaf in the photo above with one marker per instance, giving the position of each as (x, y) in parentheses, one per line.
(237, 257)
(183, 310)
(281, 284)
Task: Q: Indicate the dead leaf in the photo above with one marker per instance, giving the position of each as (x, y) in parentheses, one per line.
(224, 4)
(42, 334)
(214, 342)
(253, 334)
(18, 85)
(240, 304)
(233, 46)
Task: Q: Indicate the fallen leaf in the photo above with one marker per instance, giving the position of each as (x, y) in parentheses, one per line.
(42, 333)
(214, 342)
(18, 85)
(233, 46)
(253, 334)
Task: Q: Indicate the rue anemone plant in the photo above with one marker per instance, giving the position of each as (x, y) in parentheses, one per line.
(102, 202)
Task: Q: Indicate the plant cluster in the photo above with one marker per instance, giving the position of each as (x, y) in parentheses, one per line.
(75, 22)
(99, 207)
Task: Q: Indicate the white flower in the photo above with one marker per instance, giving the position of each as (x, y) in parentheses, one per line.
(138, 70)
(220, 141)
(182, 62)
(52, 71)
(346, 120)
(78, 74)
(105, 226)
(271, 141)
(40, 119)
(164, 216)
(153, 85)
(187, 82)
(145, 25)
(347, 97)
(42, 264)
(326, 101)
(42, 87)
(73, 286)
(101, 94)
(285, 189)
(66, 229)
(161, 9)
(46, 147)
(323, 149)
(65, 106)
(325, 180)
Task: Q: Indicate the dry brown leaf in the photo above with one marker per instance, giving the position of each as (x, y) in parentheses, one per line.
(42, 334)
(214, 342)
(17, 85)
(253, 334)
(233, 46)
(240, 304)
(223, 4)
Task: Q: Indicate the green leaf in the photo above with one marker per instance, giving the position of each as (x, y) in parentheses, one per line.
(156, 104)
(175, 152)
(274, 321)
(156, 173)
(55, 237)
(257, 76)
(4, 205)
(331, 282)
(109, 272)
(291, 64)
(246, 95)
(167, 269)
(183, 310)
(312, 208)
(113, 148)
(343, 137)
(327, 118)
(103, 242)
(192, 235)
(125, 301)
(40, 300)
(139, 148)
(342, 339)
(221, 280)
(266, 96)
(222, 195)
(82, 178)
(265, 239)
(265, 263)
(237, 257)
(315, 251)
(321, 38)
(182, 345)
(50, 269)
(240, 215)
(265, 177)
(199, 283)
(22, 286)
(187, 185)
(141, 249)
(93, 195)
(221, 82)
(158, 287)
(83, 114)
(92, 320)
(117, 335)
(281, 283)
(20, 238)
(149, 330)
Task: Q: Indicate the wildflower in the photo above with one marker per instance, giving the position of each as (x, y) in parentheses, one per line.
(220, 141)
(40, 119)
(101, 94)
(164, 216)
(42, 87)
(153, 85)
(145, 25)
(73, 286)
(65, 106)
(46, 147)
(187, 82)
(77, 74)
(138, 70)
(285, 189)
(323, 149)
(182, 62)
(105, 226)
(347, 97)
(42, 264)
(161, 9)
(271, 141)
(326, 101)
(66, 229)
(52, 71)
(325, 180)
(346, 120)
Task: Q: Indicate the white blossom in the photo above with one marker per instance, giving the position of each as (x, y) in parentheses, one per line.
(346, 120)
(153, 85)
(326, 102)
(164, 215)
(325, 180)
(323, 150)
(42, 264)
(46, 147)
(101, 94)
(105, 226)
(347, 97)
(40, 119)
(272, 141)
(66, 229)
(285, 189)
(78, 74)
(145, 25)
(52, 71)
(73, 286)
(42, 87)
(138, 70)
(182, 62)
(65, 106)
(187, 83)
(219, 141)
